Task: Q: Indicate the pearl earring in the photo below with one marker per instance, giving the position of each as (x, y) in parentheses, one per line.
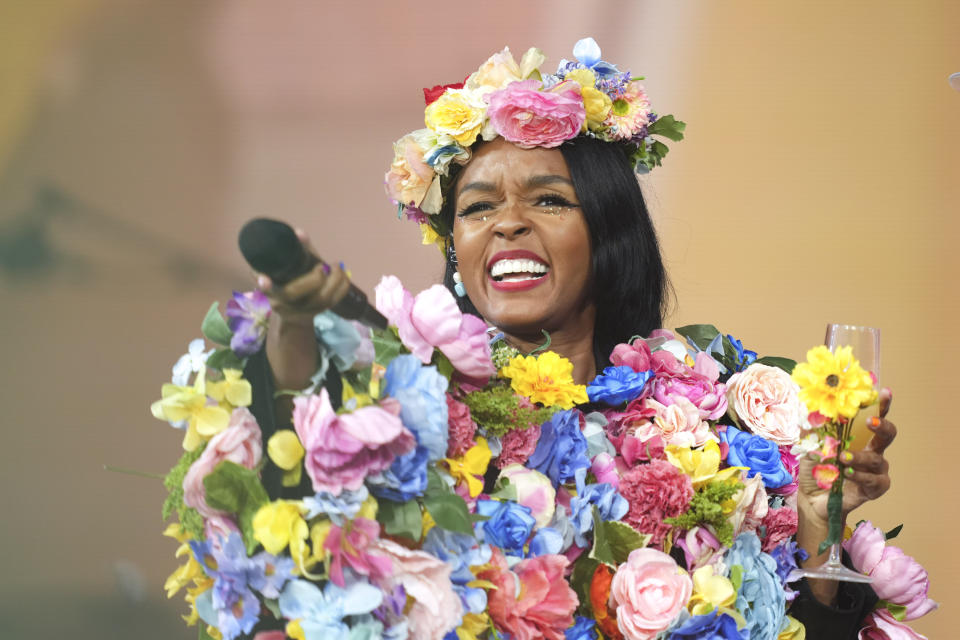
(458, 285)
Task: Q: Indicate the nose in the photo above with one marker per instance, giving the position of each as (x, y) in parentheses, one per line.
(511, 223)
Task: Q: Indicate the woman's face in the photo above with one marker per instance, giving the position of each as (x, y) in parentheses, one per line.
(522, 244)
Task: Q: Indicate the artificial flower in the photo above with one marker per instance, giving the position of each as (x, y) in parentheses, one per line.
(507, 526)
(595, 497)
(897, 578)
(239, 443)
(421, 394)
(458, 113)
(518, 444)
(405, 479)
(531, 600)
(778, 525)
(435, 608)
(766, 402)
(834, 384)
(562, 449)
(320, 613)
(629, 114)
(600, 602)
(716, 626)
(655, 491)
(534, 490)
(232, 390)
(698, 384)
(617, 385)
(409, 176)
(880, 625)
(278, 525)
(649, 591)
(825, 475)
(343, 450)
(701, 465)
(461, 428)
(760, 597)
(546, 379)
(750, 506)
(189, 405)
(286, 452)
(758, 455)
(345, 506)
(529, 117)
(247, 316)
(501, 69)
(470, 467)
(354, 544)
(193, 361)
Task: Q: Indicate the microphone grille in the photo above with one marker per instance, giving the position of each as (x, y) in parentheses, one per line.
(269, 246)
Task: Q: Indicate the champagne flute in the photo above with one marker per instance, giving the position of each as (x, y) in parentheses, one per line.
(865, 342)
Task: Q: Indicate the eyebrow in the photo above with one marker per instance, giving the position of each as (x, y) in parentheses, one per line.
(534, 181)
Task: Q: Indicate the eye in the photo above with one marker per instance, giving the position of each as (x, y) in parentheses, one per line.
(555, 203)
(476, 211)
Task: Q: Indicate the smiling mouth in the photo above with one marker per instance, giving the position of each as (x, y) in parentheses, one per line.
(518, 270)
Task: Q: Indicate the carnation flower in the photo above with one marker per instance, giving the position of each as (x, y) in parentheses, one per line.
(766, 401)
(528, 117)
(778, 525)
(655, 491)
(518, 445)
(461, 428)
(546, 379)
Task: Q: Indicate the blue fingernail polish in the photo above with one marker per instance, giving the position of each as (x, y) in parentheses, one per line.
(343, 267)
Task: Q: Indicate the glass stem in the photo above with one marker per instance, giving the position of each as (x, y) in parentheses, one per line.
(834, 558)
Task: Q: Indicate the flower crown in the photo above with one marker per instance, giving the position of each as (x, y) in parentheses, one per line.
(585, 97)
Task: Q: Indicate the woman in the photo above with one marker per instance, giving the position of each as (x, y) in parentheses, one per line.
(555, 237)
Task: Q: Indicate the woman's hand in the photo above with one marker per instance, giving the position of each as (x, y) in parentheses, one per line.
(867, 478)
(291, 343)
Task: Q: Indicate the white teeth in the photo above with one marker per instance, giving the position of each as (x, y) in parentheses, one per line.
(503, 267)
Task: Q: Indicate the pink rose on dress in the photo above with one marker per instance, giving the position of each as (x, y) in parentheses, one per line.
(528, 117)
(432, 319)
(436, 608)
(240, 443)
(655, 491)
(897, 577)
(880, 625)
(531, 601)
(635, 355)
(343, 450)
(766, 401)
(698, 385)
(649, 590)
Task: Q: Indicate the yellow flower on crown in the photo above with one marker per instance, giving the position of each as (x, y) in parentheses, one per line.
(457, 113)
(546, 379)
(834, 383)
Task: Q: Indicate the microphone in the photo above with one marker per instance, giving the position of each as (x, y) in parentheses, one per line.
(272, 248)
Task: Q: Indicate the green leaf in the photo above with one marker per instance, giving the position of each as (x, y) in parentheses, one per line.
(215, 328)
(893, 533)
(450, 512)
(834, 517)
(580, 581)
(668, 127)
(224, 359)
(435, 483)
(401, 519)
(504, 490)
(274, 607)
(613, 541)
(699, 334)
(736, 576)
(236, 489)
(386, 346)
(782, 363)
(442, 362)
(898, 611)
(202, 632)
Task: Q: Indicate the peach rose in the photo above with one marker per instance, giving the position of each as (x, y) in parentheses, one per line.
(766, 401)
(649, 590)
(409, 176)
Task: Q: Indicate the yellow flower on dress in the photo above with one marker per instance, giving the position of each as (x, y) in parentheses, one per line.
(280, 524)
(189, 404)
(834, 383)
(793, 631)
(702, 465)
(285, 450)
(713, 592)
(191, 572)
(546, 379)
(233, 389)
(470, 465)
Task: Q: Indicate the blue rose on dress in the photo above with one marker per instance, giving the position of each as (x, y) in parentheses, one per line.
(760, 598)
(617, 385)
(404, 480)
(508, 526)
(421, 392)
(758, 454)
(562, 449)
(582, 629)
(710, 625)
(460, 552)
(602, 495)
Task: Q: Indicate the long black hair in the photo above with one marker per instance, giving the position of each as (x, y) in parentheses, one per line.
(629, 280)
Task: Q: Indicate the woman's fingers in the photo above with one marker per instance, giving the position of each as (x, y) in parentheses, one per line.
(872, 485)
(886, 397)
(883, 434)
(869, 461)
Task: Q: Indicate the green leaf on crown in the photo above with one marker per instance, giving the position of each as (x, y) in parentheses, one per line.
(401, 519)
(224, 359)
(214, 327)
(668, 127)
(781, 363)
(613, 541)
(236, 489)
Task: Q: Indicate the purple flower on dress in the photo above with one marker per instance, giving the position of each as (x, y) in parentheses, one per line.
(247, 315)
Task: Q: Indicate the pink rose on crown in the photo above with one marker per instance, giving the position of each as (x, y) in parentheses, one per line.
(528, 117)
(432, 319)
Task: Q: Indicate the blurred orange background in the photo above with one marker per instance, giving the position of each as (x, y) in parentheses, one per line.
(136, 137)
